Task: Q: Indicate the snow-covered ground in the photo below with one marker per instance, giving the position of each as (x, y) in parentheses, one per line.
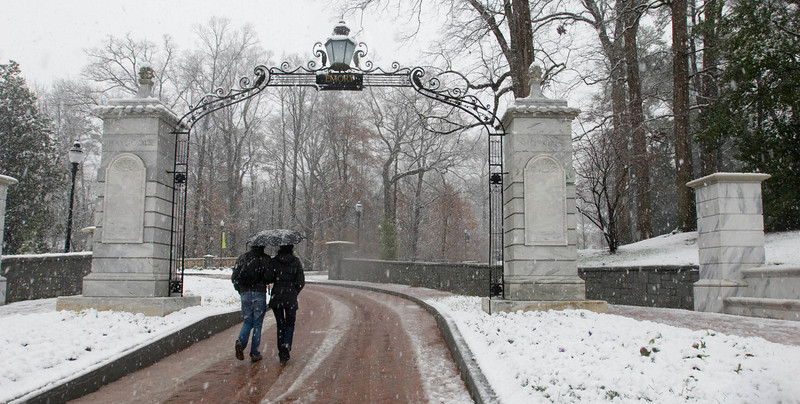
(681, 249)
(40, 346)
(565, 356)
(577, 356)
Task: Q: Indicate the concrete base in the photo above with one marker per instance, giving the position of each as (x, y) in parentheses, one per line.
(149, 306)
(509, 306)
(3, 286)
(710, 294)
(125, 285)
(545, 288)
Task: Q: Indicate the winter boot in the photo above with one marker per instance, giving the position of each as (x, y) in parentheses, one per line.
(285, 349)
(255, 357)
(239, 350)
(283, 353)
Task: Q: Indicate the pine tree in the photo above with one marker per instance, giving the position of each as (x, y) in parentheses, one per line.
(759, 102)
(27, 153)
(388, 234)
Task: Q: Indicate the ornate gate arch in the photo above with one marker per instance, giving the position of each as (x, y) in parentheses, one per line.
(339, 75)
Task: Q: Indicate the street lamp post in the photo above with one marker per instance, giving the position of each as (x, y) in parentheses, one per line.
(359, 209)
(223, 245)
(466, 240)
(75, 157)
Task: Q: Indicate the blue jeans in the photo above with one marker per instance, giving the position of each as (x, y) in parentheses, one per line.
(254, 306)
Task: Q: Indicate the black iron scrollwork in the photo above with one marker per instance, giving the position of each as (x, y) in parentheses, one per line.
(449, 87)
(440, 87)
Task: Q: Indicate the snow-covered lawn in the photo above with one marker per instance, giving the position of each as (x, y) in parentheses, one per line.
(40, 346)
(565, 356)
(576, 356)
(681, 249)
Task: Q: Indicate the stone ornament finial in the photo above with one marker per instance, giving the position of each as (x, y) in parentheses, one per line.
(146, 75)
(535, 81)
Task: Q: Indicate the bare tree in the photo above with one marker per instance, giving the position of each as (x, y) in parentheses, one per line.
(68, 105)
(225, 143)
(114, 66)
(507, 22)
(600, 191)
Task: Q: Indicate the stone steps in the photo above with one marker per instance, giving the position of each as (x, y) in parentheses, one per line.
(772, 292)
(782, 309)
(774, 282)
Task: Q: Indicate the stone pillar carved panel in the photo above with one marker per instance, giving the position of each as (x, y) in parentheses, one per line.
(123, 221)
(545, 202)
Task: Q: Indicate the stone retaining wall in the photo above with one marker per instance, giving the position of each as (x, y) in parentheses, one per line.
(461, 278)
(652, 286)
(44, 276)
(52, 275)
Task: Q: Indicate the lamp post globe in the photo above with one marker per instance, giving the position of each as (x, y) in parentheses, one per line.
(75, 158)
(340, 47)
(359, 209)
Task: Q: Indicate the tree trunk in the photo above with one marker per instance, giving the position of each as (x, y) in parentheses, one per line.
(709, 91)
(521, 38)
(641, 162)
(416, 216)
(680, 108)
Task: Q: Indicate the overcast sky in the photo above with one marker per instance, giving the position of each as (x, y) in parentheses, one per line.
(48, 37)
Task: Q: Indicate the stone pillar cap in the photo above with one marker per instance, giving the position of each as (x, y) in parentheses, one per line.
(6, 180)
(727, 177)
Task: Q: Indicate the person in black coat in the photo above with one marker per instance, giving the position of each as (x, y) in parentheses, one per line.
(289, 281)
(250, 277)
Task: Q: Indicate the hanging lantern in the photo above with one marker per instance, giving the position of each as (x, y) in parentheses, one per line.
(340, 47)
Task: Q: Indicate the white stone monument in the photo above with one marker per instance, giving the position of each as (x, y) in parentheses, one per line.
(5, 181)
(540, 267)
(130, 264)
(730, 229)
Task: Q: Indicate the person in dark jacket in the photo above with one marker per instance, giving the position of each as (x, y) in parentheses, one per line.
(289, 281)
(250, 277)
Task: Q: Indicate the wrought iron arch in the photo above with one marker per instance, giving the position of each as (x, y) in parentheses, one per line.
(433, 86)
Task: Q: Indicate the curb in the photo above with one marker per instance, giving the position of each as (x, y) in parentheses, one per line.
(133, 361)
(479, 388)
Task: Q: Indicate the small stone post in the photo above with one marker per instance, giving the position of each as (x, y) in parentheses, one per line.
(5, 181)
(130, 264)
(730, 231)
(540, 267)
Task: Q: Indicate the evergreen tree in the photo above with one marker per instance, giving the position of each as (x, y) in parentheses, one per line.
(27, 153)
(759, 102)
(388, 234)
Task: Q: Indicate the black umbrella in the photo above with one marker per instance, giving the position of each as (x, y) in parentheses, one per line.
(276, 237)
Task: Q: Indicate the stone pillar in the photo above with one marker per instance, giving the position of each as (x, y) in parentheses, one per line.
(5, 181)
(130, 265)
(730, 229)
(540, 267)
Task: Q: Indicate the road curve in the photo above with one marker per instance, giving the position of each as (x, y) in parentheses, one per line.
(350, 346)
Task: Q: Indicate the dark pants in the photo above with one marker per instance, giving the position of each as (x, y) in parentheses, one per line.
(284, 319)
